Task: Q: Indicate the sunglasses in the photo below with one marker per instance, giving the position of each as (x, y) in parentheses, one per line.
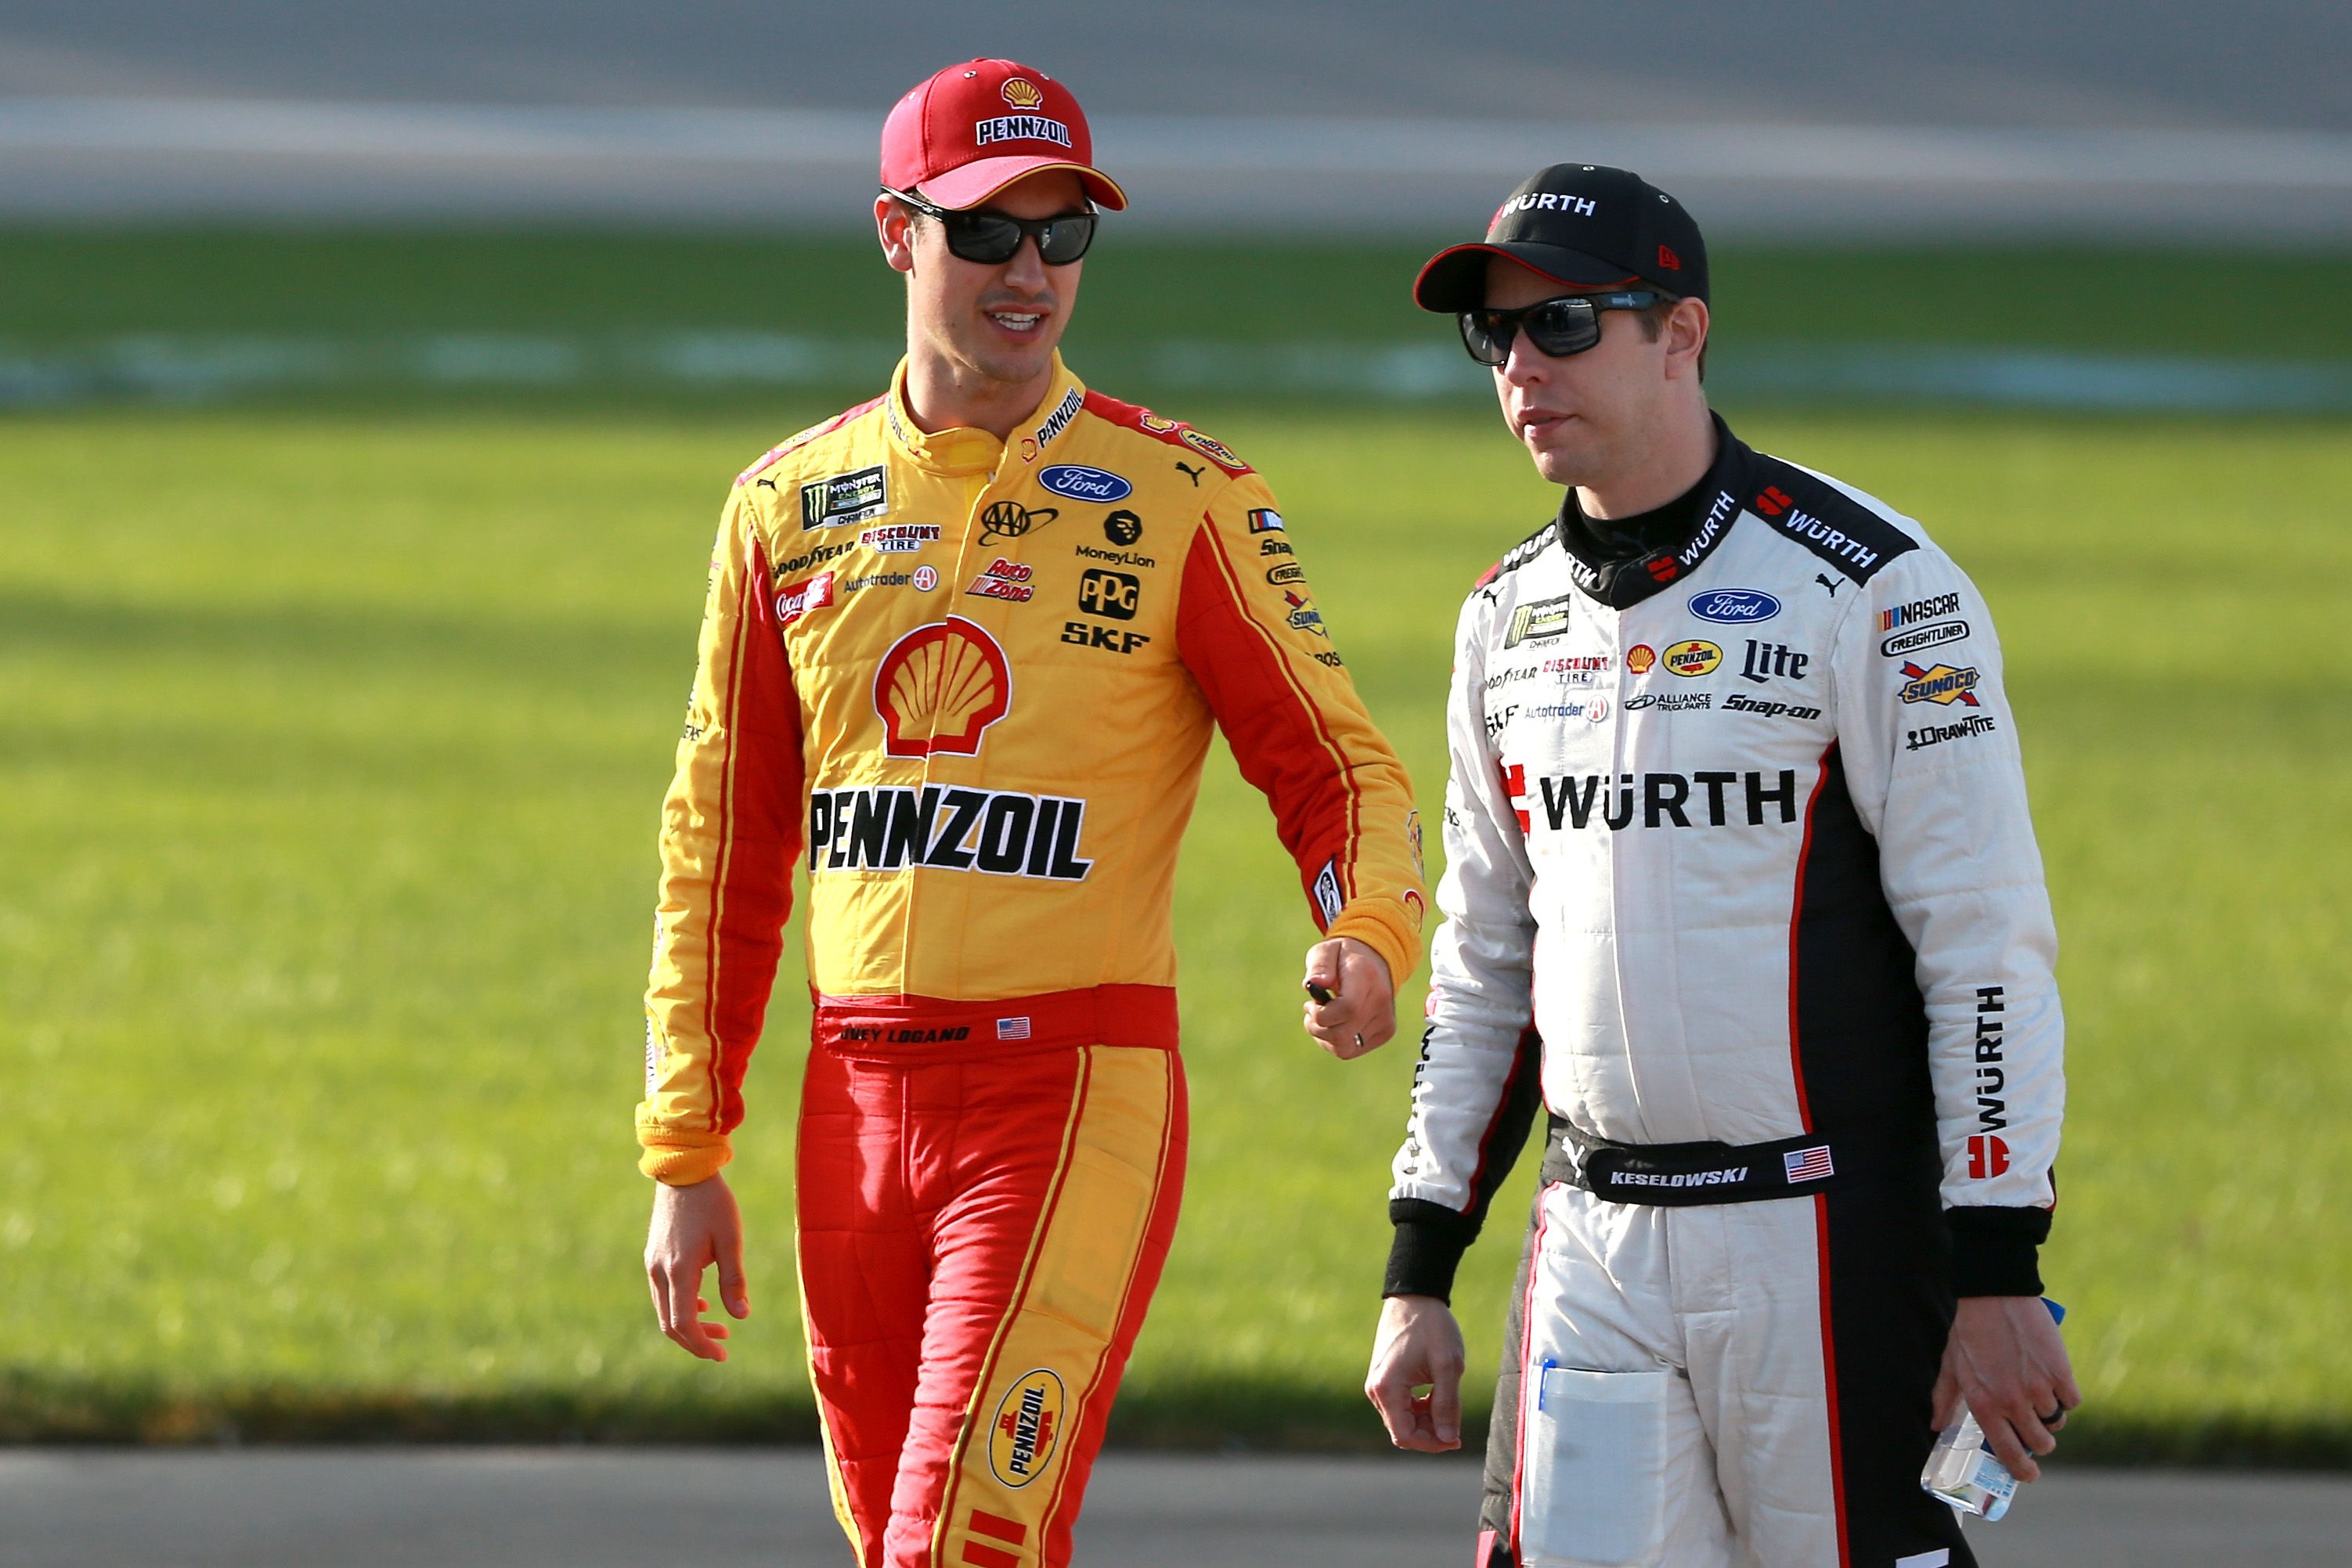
(991, 238)
(1557, 327)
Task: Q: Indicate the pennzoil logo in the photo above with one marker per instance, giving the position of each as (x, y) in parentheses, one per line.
(1023, 94)
(940, 688)
(1692, 658)
(1027, 1426)
(1215, 451)
(897, 827)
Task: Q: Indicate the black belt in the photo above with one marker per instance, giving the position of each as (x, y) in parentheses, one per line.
(1681, 1174)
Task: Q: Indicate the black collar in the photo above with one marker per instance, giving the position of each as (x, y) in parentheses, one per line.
(1667, 544)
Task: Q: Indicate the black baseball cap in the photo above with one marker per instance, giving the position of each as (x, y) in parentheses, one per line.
(1585, 225)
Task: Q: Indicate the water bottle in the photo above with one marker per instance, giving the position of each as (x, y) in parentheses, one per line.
(1963, 1472)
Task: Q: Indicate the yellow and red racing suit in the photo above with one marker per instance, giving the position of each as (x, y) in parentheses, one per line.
(968, 683)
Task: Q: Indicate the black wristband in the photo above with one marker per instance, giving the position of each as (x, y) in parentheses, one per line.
(1426, 1249)
(1997, 1251)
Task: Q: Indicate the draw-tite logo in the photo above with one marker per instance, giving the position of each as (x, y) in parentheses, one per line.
(940, 688)
(1023, 94)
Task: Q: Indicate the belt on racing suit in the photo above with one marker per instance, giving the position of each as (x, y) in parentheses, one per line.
(1680, 1175)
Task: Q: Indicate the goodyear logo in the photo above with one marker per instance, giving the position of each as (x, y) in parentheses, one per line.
(1693, 657)
(1028, 1424)
(1943, 685)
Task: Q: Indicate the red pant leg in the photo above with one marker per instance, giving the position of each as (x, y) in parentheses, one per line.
(865, 1263)
(1067, 1174)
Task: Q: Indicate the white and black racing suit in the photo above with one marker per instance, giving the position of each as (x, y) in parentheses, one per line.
(1742, 884)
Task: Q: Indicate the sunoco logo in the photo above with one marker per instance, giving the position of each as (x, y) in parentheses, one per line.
(1080, 483)
(1943, 685)
(1028, 1424)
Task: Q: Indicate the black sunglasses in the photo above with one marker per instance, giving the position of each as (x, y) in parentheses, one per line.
(1556, 326)
(989, 237)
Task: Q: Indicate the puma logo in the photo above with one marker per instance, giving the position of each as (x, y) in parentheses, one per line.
(1823, 578)
(1191, 473)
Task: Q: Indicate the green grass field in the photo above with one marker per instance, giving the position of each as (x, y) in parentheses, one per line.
(328, 770)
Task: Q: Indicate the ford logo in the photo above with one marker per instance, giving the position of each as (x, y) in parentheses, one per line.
(1735, 606)
(1080, 483)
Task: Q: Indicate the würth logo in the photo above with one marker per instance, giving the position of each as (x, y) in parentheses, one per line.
(1773, 501)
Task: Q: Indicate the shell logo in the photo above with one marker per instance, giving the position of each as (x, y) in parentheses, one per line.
(1639, 657)
(1023, 94)
(1693, 657)
(939, 686)
(1027, 1428)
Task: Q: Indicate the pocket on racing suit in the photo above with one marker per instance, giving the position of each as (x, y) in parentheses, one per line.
(1594, 1493)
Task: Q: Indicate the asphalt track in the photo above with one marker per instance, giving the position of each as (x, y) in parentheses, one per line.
(604, 1508)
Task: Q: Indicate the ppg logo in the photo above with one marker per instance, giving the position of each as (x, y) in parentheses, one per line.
(1735, 606)
(1080, 483)
(1112, 593)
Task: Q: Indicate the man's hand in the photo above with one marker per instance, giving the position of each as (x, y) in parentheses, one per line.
(1351, 1003)
(1418, 1344)
(693, 1228)
(2006, 1359)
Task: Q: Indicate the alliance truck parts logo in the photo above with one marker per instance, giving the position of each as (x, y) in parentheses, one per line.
(1027, 1427)
(897, 827)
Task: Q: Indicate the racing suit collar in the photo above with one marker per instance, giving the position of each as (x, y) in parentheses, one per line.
(1620, 575)
(963, 450)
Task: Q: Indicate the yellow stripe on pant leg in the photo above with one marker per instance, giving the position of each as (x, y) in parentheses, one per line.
(1008, 1463)
(974, 1406)
(832, 1477)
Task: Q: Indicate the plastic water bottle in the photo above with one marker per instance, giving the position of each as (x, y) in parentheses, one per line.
(1963, 1472)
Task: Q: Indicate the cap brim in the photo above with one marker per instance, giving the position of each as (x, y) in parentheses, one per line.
(974, 182)
(1456, 279)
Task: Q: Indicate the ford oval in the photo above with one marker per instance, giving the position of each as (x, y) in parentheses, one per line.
(1734, 606)
(1080, 483)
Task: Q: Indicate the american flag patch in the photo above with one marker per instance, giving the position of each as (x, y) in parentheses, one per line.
(1018, 1029)
(1808, 1164)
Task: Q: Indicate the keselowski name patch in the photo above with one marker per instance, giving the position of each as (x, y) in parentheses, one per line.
(896, 828)
(858, 497)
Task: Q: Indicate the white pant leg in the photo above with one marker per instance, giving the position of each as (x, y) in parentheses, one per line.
(1616, 1470)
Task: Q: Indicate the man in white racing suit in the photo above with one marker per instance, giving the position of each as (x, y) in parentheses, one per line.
(1742, 891)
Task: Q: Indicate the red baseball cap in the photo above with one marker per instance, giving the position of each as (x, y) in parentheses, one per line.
(973, 128)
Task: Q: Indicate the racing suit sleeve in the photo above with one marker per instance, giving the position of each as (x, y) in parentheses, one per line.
(1248, 631)
(1930, 751)
(731, 832)
(1479, 1085)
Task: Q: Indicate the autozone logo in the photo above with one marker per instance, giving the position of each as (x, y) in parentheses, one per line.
(894, 828)
(1651, 799)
